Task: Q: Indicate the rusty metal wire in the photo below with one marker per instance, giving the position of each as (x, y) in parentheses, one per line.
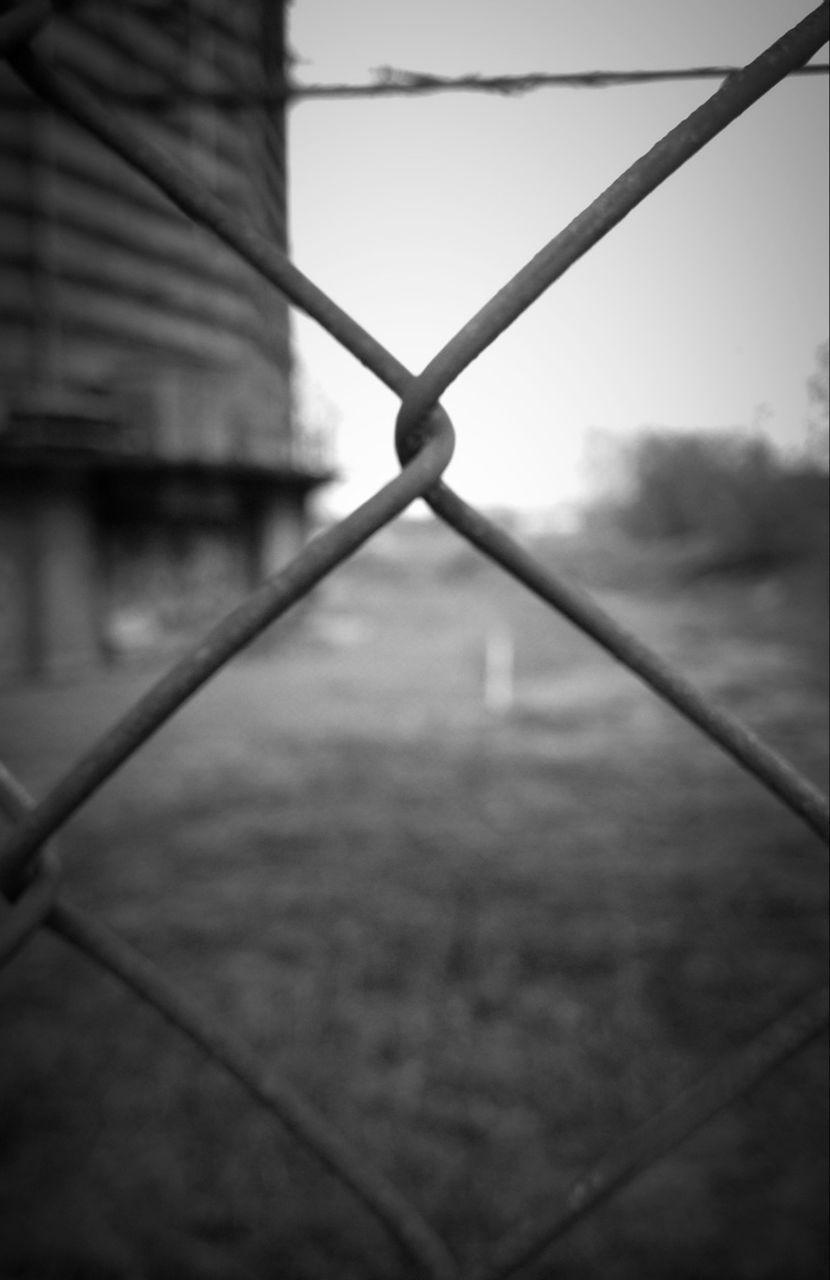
(424, 438)
(417, 1240)
(397, 82)
(734, 1076)
(24, 915)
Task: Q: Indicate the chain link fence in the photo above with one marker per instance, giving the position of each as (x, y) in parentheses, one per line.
(30, 862)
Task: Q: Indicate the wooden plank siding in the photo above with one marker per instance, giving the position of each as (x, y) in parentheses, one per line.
(113, 286)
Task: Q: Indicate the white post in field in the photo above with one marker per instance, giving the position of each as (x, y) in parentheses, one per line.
(498, 670)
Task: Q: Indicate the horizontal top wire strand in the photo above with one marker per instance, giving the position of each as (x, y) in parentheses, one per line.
(424, 437)
(395, 82)
(419, 402)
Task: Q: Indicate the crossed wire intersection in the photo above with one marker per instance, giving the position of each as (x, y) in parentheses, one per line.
(30, 861)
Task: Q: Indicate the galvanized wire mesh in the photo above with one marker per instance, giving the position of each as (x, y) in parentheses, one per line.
(29, 862)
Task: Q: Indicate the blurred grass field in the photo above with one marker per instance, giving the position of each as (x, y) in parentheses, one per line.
(484, 946)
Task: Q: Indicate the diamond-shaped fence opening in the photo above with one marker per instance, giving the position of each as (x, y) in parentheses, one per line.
(31, 865)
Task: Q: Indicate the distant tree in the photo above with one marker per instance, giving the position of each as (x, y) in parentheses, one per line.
(693, 483)
(731, 492)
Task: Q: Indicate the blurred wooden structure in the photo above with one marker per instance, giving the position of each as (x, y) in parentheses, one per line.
(151, 469)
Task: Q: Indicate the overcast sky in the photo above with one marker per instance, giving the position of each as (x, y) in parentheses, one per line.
(704, 308)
